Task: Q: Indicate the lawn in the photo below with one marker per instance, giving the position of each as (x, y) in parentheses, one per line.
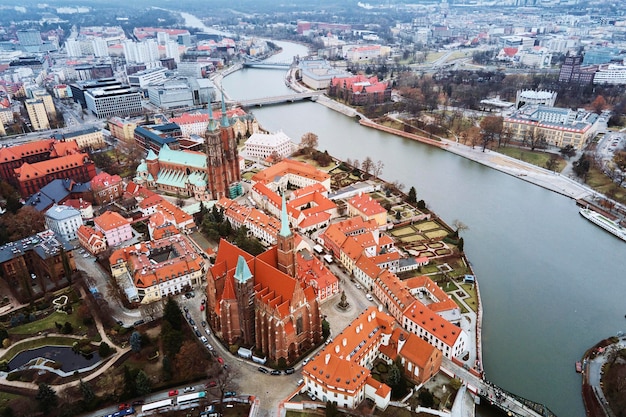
(404, 231)
(464, 309)
(603, 184)
(427, 225)
(435, 234)
(472, 300)
(537, 158)
(412, 238)
(48, 324)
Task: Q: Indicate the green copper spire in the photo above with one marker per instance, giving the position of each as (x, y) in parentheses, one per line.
(212, 126)
(284, 220)
(242, 272)
(224, 116)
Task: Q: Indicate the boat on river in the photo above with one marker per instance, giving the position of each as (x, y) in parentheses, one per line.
(604, 222)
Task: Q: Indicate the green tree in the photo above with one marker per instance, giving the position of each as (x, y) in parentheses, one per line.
(412, 196)
(104, 350)
(581, 167)
(172, 314)
(142, 383)
(325, 329)
(87, 391)
(46, 398)
(567, 151)
(426, 398)
(167, 368)
(331, 409)
(135, 341)
(171, 339)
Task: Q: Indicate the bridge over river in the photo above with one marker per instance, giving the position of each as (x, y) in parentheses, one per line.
(287, 98)
(512, 404)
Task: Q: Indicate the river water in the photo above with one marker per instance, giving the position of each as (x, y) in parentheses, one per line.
(552, 284)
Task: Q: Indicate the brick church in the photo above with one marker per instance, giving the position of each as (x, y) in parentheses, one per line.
(206, 176)
(258, 302)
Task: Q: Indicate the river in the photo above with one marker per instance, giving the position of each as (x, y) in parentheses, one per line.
(552, 284)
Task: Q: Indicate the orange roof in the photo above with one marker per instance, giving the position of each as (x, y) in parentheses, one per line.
(150, 201)
(432, 322)
(20, 151)
(110, 220)
(443, 302)
(103, 180)
(368, 266)
(401, 296)
(356, 225)
(313, 271)
(351, 248)
(62, 148)
(366, 205)
(334, 371)
(290, 166)
(41, 169)
(88, 234)
(313, 219)
(414, 349)
(309, 189)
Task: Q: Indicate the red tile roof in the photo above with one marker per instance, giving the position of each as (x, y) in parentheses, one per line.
(366, 205)
(41, 169)
(110, 220)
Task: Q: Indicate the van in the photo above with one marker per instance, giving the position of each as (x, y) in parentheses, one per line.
(300, 382)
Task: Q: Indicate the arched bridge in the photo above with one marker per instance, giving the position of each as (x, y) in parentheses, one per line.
(288, 98)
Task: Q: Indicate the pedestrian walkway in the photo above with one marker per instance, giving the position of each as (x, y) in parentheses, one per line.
(112, 360)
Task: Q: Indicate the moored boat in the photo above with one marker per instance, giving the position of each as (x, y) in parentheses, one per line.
(604, 222)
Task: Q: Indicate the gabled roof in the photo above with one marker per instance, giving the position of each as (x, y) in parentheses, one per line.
(432, 322)
(110, 220)
(366, 205)
(414, 348)
(20, 151)
(43, 168)
(104, 180)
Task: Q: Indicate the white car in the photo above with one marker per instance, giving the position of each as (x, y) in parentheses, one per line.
(204, 340)
(189, 389)
(369, 297)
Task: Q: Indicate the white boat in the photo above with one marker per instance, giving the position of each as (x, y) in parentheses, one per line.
(604, 222)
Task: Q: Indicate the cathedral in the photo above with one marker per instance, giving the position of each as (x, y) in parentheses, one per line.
(206, 176)
(258, 302)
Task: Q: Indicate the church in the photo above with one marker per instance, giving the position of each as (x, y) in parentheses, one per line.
(258, 302)
(206, 176)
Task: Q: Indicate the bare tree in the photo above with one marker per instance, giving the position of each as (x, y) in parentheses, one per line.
(367, 165)
(459, 226)
(378, 170)
(309, 142)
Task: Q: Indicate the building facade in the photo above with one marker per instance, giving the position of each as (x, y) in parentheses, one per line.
(64, 221)
(115, 228)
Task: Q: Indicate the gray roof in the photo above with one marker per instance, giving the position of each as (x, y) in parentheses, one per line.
(55, 192)
(61, 212)
(45, 244)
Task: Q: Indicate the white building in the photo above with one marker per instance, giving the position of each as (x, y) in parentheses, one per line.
(64, 221)
(262, 145)
(114, 102)
(146, 77)
(171, 94)
(610, 74)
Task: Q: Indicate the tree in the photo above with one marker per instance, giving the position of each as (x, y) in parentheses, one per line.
(142, 383)
(104, 350)
(599, 104)
(135, 341)
(567, 151)
(87, 391)
(412, 196)
(46, 398)
(459, 226)
(188, 361)
(367, 165)
(331, 409)
(172, 314)
(275, 157)
(553, 163)
(378, 170)
(491, 130)
(426, 398)
(581, 167)
(325, 328)
(309, 142)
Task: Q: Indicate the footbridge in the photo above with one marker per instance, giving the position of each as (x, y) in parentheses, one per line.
(288, 98)
(512, 404)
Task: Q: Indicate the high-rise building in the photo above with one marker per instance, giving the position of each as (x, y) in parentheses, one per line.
(48, 103)
(37, 114)
(73, 48)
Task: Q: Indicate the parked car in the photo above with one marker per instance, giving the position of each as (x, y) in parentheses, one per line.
(228, 394)
(203, 323)
(211, 384)
(276, 372)
(220, 360)
(197, 333)
(289, 371)
(189, 389)
(263, 370)
(369, 297)
(186, 309)
(192, 322)
(139, 322)
(123, 406)
(204, 339)
(138, 402)
(173, 393)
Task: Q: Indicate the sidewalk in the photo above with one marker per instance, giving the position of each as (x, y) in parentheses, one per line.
(103, 368)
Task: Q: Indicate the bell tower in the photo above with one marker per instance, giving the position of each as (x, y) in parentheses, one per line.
(285, 241)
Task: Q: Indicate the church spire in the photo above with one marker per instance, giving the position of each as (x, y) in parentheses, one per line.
(284, 220)
(212, 126)
(224, 116)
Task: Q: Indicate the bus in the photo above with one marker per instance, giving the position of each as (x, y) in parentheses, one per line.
(195, 396)
(157, 405)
